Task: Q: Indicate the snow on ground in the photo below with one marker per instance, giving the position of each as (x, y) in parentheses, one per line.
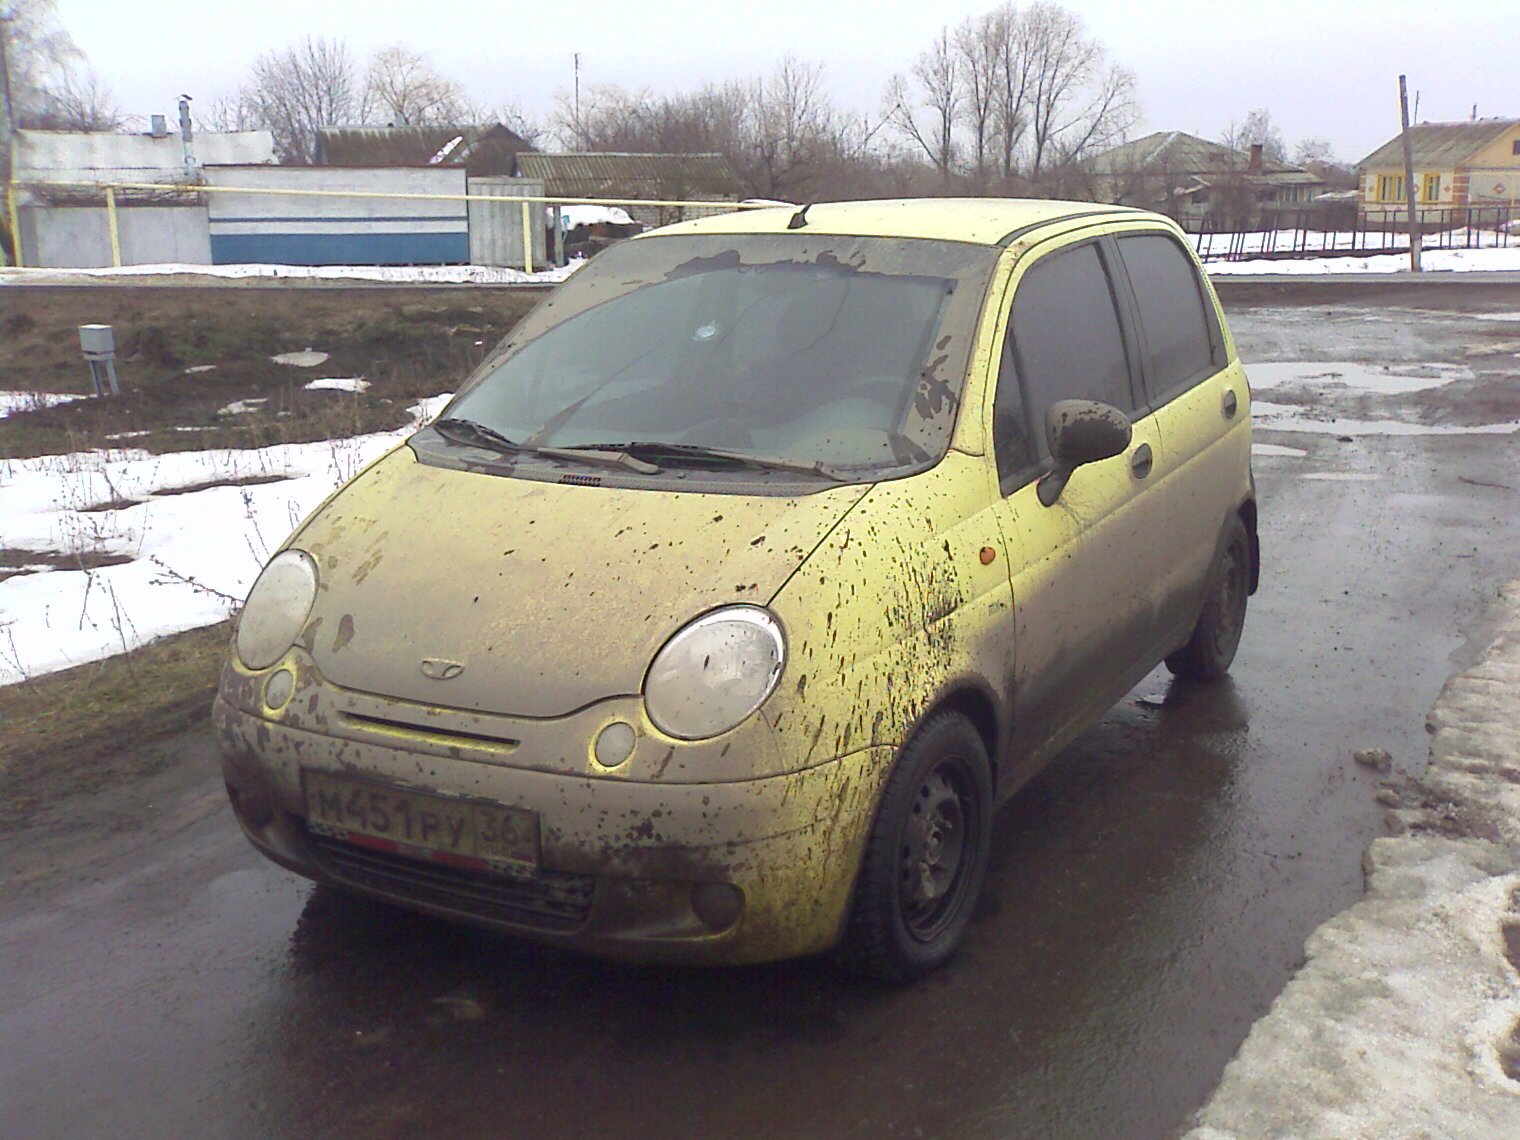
(1292, 417)
(194, 555)
(1404, 1021)
(1433, 260)
(391, 274)
(32, 401)
(303, 359)
(338, 384)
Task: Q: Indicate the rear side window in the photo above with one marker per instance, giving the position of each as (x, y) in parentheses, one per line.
(1179, 327)
(1068, 344)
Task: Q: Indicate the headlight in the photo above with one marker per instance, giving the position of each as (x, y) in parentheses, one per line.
(715, 672)
(276, 609)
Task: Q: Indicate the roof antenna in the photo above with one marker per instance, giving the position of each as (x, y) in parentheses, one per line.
(799, 219)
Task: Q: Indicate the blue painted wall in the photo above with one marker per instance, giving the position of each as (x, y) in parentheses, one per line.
(341, 249)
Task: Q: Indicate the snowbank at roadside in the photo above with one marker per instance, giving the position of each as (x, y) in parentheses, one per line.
(1405, 1018)
(1432, 261)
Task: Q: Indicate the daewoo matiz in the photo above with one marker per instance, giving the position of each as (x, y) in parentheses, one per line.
(721, 607)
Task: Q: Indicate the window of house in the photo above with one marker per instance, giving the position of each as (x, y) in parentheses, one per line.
(1390, 187)
(1067, 345)
(1179, 328)
(1432, 191)
(1514, 147)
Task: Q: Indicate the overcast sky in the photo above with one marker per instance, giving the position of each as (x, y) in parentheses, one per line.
(1325, 68)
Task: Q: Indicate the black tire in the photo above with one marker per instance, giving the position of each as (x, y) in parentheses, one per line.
(927, 855)
(1211, 649)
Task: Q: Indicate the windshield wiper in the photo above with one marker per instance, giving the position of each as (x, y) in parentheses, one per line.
(470, 431)
(676, 452)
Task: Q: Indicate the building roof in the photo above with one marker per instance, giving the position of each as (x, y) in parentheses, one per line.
(484, 149)
(96, 156)
(667, 176)
(1441, 144)
(1178, 154)
(983, 221)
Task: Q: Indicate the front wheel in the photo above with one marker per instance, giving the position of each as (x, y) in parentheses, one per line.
(1211, 649)
(926, 857)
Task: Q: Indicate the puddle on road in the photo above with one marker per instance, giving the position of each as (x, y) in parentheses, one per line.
(1373, 379)
(1268, 416)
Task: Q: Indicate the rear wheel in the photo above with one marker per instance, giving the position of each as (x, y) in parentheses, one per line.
(926, 857)
(1209, 652)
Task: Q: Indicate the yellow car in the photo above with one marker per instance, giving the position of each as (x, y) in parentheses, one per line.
(713, 618)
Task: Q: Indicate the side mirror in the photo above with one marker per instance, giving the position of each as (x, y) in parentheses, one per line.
(1078, 432)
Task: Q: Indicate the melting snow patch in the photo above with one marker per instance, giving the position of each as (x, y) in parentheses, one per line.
(1277, 449)
(307, 359)
(196, 369)
(243, 407)
(1382, 380)
(12, 402)
(339, 384)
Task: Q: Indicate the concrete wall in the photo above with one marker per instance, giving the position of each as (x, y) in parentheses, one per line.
(292, 229)
(79, 237)
(72, 156)
(496, 230)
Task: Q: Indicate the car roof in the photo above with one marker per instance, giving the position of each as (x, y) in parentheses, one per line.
(984, 221)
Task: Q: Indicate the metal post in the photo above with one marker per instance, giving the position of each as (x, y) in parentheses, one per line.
(111, 222)
(1409, 196)
(527, 228)
(10, 210)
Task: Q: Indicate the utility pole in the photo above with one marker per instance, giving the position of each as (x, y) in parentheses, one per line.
(1409, 193)
(577, 57)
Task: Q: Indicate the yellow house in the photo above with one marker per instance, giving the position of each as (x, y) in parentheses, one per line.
(1471, 165)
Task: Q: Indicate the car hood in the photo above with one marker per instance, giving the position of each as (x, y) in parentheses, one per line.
(549, 596)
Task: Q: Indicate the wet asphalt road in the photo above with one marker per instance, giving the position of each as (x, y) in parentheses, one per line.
(1149, 896)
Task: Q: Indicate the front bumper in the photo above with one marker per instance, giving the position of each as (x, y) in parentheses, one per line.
(627, 867)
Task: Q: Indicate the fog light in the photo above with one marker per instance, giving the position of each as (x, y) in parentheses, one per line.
(718, 905)
(614, 744)
(278, 688)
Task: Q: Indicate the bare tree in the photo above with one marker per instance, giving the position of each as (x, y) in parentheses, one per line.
(1256, 129)
(402, 88)
(306, 86)
(75, 100)
(937, 89)
(1313, 150)
(980, 43)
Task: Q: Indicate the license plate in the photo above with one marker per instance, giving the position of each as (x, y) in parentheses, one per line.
(448, 830)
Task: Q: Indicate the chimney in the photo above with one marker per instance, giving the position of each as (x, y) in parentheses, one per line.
(1254, 166)
(159, 127)
(187, 135)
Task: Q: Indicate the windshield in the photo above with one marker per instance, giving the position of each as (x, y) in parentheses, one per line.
(838, 354)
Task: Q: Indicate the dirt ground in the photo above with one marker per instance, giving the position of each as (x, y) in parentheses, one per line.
(406, 343)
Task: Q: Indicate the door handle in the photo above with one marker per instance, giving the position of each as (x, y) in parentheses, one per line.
(1140, 461)
(1230, 403)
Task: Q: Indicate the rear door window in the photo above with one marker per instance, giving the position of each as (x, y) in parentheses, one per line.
(1181, 334)
(1068, 343)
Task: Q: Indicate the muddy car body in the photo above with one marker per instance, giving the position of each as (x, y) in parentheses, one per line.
(715, 615)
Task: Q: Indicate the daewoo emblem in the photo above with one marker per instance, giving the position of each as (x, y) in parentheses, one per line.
(440, 670)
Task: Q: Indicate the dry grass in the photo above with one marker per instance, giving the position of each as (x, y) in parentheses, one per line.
(80, 728)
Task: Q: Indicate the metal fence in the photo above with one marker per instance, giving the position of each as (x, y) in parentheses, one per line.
(101, 206)
(1288, 234)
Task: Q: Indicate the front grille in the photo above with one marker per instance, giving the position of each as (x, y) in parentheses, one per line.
(549, 900)
(582, 480)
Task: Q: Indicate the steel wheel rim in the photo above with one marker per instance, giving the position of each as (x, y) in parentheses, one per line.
(1232, 601)
(936, 850)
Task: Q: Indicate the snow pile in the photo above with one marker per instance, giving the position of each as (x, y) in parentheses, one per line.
(338, 384)
(594, 215)
(194, 554)
(1405, 1019)
(1285, 241)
